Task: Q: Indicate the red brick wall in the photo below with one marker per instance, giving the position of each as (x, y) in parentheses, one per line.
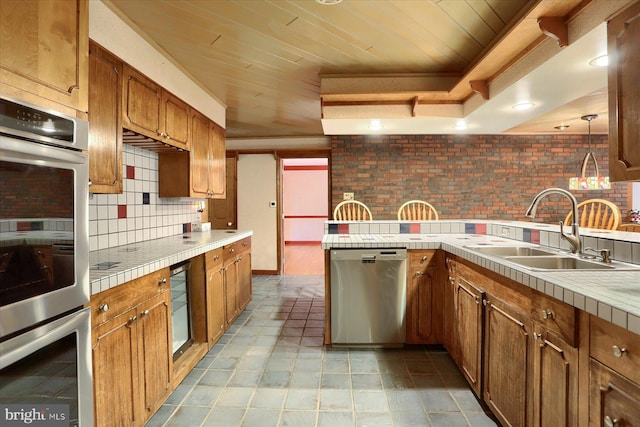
(466, 176)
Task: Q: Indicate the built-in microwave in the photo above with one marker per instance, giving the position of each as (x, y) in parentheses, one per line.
(44, 197)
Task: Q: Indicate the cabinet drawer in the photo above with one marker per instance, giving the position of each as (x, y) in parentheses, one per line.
(232, 249)
(555, 315)
(113, 302)
(213, 259)
(421, 259)
(615, 347)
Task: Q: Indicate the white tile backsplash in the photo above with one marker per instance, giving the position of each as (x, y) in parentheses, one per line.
(162, 217)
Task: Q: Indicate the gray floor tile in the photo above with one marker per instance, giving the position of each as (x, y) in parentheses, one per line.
(161, 416)
(480, 420)
(245, 379)
(304, 380)
(438, 401)
(373, 419)
(366, 382)
(447, 419)
(302, 399)
(202, 396)
(269, 398)
(215, 378)
(411, 419)
(224, 363)
(335, 400)
(339, 381)
(261, 418)
(335, 419)
(467, 401)
(275, 379)
(237, 397)
(298, 418)
(179, 394)
(188, 416)
(403, 400)
(364, 366)
(308, 365)
(335, 366)
(228, 417)
(367, 400)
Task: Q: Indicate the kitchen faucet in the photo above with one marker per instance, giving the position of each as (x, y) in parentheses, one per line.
(574, 237)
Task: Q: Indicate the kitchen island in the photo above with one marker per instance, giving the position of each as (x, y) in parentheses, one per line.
(514, 331)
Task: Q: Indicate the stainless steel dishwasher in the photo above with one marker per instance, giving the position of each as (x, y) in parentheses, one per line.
(368, 297)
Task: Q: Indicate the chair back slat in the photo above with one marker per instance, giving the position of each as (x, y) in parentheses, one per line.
(597, 213)
(417, 210)
(352, 210)
(629, 227)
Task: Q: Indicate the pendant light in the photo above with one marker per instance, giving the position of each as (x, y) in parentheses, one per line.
(584, 182)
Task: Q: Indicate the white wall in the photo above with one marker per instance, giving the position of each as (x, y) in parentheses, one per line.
(111, 32)
(256, 188)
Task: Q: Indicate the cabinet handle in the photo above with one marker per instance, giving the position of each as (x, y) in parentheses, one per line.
(608, 422)
(536, 336)
(476, 298)
(618, 352)
(162, 281)
(418, 273)
(231, 250)
(547, 314)
(145, 313)
(245, 244)
(166, 135)
(133, 319)
(216, 257)
(104, 308)
(424, 258)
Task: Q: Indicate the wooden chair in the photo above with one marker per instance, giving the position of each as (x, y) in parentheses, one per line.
(597, 213)
(352, 210)
(629, 227)
(417, 210)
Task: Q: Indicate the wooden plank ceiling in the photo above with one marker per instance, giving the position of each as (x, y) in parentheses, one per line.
(265, 59)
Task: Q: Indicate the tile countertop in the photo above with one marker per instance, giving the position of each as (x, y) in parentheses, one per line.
(610, 295)
(114, 266)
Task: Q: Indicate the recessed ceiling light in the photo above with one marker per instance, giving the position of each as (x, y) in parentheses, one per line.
(561, 127)
(375, 125)
(461, 125)
(523, 106)
(600, 61)
(328, 2)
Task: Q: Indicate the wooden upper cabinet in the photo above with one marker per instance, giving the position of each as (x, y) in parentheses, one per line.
(44, 50)
(151, 111)
(217, 161)
(105, 132)
(200, 150)
(141, 103)
(624, 94)
(174, 126)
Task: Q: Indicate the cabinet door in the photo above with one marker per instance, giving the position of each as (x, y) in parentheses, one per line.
(243, 266)
(175, 117)
(506, 358)
(469, 318)
(199, 155)
(449, 339)
(554, 380)
(623, 34)
(420, 286)
(116, 380)
(105, 132)
(614, 401)
(141, 102)
(215, 305)
(222, 212)
(156, 349)
(230, 292)
(44, 49)
(217, 161)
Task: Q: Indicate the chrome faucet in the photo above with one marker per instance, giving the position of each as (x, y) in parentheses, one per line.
(574, 237)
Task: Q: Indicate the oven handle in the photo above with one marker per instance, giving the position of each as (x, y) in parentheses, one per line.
(12, 149)
(31, 341)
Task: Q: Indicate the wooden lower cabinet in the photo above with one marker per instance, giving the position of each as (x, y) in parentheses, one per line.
(215, 298)
(614, 401)
(506, 362)
(469, 317)
(449, 336)
(131, 350)
(554, 380)
(422, 276)
(237, 278)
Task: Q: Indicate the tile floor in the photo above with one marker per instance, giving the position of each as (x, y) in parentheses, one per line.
(270, 369)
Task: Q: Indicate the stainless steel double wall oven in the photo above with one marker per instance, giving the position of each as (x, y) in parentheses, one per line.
(45, 354)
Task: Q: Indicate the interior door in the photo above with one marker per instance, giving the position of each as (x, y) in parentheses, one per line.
(223, 213)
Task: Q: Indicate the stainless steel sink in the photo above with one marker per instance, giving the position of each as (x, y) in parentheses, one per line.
(559, 263)
(505, 251)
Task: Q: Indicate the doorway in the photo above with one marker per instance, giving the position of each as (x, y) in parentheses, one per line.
(304, 183)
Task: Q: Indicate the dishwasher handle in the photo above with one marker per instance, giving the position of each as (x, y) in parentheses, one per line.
(368, 259)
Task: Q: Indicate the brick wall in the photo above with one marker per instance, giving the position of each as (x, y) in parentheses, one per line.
(466, 176)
